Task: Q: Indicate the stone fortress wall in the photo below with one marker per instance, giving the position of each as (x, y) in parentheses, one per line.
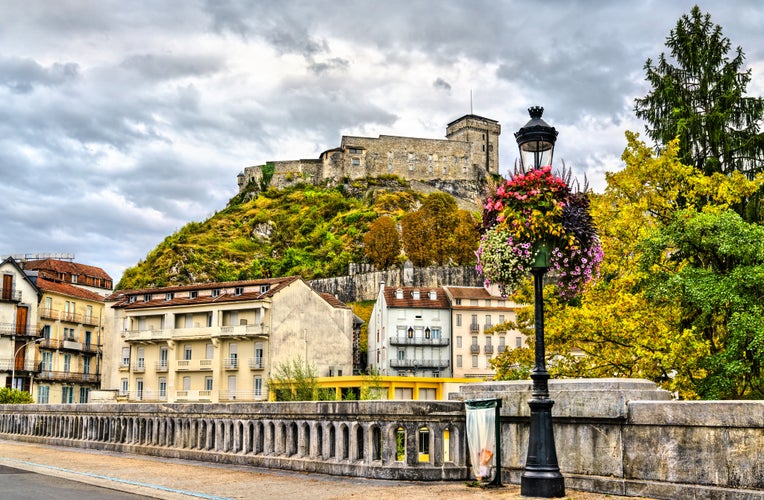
(470, 152)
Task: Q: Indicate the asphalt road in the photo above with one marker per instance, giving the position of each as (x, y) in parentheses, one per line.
(18, 484)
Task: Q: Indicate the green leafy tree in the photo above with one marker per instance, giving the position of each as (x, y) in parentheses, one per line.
(294, 380)
(382, 243)
(699, 96)
(10, 396)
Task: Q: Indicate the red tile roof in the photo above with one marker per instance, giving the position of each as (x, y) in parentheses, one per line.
(333, 301)
(408, 301)
(64, 266)
(67, 289)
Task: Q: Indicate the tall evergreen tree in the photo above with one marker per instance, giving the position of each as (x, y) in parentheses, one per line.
(700, 98)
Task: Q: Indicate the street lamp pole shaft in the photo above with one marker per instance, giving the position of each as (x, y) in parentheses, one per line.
(542, 477)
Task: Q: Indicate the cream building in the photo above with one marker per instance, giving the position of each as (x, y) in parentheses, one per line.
(69, 345)
(219, 341)
(474, 312)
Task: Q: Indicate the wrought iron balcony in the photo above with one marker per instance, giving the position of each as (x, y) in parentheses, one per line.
(418, 363)
(475, 349)
(474, 327)
(10, 295)
(15, 330)
(55, 376)
(69, 345)
(403, 340)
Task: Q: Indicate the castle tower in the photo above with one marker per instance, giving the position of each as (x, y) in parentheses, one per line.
(483, 136)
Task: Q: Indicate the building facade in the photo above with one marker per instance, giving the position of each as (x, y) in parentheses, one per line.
(83, 276)
(410, 332)
(475, 314)
(470, 152)
(217, 342)
(69, 347)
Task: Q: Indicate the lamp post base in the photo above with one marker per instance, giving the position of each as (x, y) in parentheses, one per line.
(541, 477)
(542, 484)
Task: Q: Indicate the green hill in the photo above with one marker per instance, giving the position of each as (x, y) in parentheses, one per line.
(304, 230)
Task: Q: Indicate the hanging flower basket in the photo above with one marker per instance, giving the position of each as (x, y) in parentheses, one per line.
(534, 220)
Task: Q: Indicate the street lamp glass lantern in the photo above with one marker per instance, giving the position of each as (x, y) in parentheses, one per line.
(536, 141)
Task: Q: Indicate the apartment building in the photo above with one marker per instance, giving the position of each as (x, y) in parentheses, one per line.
(475, 312)
(69, 344)
(410, 332)
(19, 299)
(83, 276)
(216, 342)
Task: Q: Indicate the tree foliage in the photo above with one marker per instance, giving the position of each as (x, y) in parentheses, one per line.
(699, 96)
(294, 380)
(382, 243)
(10, 396)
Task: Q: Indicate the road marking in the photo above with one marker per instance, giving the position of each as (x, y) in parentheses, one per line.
(118, 480)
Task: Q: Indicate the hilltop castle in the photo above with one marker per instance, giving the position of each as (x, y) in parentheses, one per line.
(470, 152)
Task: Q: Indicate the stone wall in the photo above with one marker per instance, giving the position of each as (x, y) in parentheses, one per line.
(365, 286)
(613, 436)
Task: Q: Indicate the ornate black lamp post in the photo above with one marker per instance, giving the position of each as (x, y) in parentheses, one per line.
(541, 477)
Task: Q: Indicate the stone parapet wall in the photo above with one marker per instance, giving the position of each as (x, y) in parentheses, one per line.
(613, 436)
(365, 286)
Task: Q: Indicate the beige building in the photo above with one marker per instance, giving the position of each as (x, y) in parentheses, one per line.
(475, 311)
(219, 341)
(470, 152)
(69, 346)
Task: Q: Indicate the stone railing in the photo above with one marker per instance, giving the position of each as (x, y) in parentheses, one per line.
(613, 436)
(417, 440)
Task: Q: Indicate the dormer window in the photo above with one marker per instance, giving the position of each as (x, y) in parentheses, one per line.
(216, 292)
(415, 294)
(433, 295)
(193, 294)
(131, 299)
(147, 297)
(264, 288)
(238, 290)
(74, 278)
(169, 296)
(399, 294)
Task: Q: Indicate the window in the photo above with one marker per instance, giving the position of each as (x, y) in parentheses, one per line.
(518, 341)
(74, 278)
(141, 358)
(264, 288)
(401, 355)
(86, 365)
(169, 296)
(125, 356)
(187, 352)
(458, 360)
(232, 386)
(356, 161)
(67, 362)
(131, 299)
(139, 389)
(238, 290)
(502, 346)
(258, 355)
(488, 323)
(89, 312)
(216, 292)
(233, 356)
(84, 394)
(147, 297)
(162, 387)
(258, 385)
(186, 383)
(66, 394)
(474, 340)
(501, 319)
(209, 351)
(459, 341)
(193, 294)
(43, 394)
(47, 361)
(458, 320)
(163, 357)
(207, 383)
(474, 361)
(123, 390)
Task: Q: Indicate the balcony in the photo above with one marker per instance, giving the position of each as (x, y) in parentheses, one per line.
(474, 328)
(69, 345)
(205, 364)
(489, 349)
(439, 342)
(80, 378)
(231, 364)
(68, 317)
(256, 363)
(160, 366)
(193, 365)
(188, 395)
(474, 349)
(418, 363)
(22, 365)
(10, 295)
(14, 330)
(139, 366)
(195, 333)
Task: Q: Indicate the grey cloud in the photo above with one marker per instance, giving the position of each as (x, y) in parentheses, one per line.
(22, 75)
(441, 84)
(167, 67)
(335, 63)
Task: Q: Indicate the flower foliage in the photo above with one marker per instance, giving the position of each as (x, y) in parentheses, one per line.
(533, 208)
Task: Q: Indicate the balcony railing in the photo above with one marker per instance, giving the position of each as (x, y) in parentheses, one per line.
(474, 349)
(231, 364)
(15, 330)
(256, 363)
(193, 365)
(28, 365)
(51, 376)
(489, 349)
(10, 295)
(68, 317)
(139, 366)
(70, 345)
(403, 340)
(419, 363)
(193, 333)
(160, 366)
(474, 327)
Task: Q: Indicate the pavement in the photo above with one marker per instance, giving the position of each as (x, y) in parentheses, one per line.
(171, 479)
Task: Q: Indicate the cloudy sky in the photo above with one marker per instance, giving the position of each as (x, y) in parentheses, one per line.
(122, 121)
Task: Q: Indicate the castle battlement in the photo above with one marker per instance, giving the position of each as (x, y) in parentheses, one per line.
(470, 152)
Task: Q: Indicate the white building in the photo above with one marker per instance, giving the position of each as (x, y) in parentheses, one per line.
(410, 332)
